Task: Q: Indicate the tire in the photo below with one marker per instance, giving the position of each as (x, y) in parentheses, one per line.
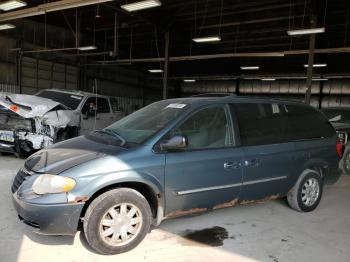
(101, 209)
(344, 163)
(298, 196)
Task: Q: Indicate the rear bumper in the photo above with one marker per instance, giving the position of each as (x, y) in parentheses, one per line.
(53, 219)
(332, 174)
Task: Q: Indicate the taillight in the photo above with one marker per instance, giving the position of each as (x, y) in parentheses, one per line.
(339, 148)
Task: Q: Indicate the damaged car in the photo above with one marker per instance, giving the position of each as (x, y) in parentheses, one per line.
(340, 119)
(31, 122)
(172, 158)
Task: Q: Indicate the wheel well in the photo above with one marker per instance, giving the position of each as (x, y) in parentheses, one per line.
(143, 189)
(318, 169)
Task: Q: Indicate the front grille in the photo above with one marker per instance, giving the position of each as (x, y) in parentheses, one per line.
(19, 178)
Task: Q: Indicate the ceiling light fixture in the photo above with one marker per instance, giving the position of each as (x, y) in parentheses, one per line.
(319, 79)
(189, 80)
(268, 79)
(207, 39)
(155, 70)
(87, 48)
(141, 5)
(6, 26)
(316, 65)
(306, 31)
(250, 67)
(12, 4)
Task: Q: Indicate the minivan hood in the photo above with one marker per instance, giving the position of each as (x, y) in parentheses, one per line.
(70, 153)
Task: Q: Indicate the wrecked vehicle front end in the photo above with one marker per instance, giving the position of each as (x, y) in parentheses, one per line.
(29, 123)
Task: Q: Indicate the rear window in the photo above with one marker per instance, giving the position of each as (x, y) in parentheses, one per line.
(307, 123)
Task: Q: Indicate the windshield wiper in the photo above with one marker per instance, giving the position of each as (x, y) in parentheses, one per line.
(114, 134)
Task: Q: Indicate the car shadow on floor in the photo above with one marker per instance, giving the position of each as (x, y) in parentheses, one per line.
(208, 237)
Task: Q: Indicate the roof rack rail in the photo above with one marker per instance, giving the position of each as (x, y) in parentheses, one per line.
(213, 95)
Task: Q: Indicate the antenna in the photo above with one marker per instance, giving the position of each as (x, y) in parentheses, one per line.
(96, 105)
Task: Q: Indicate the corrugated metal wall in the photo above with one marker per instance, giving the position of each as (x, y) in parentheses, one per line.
(38, 74)
(8, 72)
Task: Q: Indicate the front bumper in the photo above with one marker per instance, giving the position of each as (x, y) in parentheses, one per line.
(7, 147)
(52, 219)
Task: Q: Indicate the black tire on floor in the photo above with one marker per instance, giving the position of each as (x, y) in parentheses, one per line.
(101, 205)
(294, 196)
(344, 163)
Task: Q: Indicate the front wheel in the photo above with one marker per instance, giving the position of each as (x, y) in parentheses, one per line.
(307, 192)
(117, 221)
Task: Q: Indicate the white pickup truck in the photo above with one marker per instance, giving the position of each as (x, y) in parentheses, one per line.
(31, 122)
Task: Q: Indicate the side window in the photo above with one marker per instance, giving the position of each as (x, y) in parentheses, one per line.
(102, 105)
(89, 105)
(114, 104)
(207, 128)
(261, 124)
(306, 123)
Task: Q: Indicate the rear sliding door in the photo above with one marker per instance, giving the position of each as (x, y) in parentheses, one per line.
(268, 161)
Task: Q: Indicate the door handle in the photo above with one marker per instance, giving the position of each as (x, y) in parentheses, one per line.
(252, 162)
(234, 165)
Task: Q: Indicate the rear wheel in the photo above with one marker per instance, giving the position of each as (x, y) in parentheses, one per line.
(307, 192)
(117, 221)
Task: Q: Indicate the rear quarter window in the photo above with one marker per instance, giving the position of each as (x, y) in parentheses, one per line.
(307, 123)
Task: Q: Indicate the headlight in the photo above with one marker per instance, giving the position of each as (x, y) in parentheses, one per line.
(46, 184)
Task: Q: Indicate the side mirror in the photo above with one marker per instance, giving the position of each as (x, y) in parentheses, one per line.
(176, 142)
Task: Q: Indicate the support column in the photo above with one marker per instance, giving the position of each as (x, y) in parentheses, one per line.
(166, 66)
(320, 97)
(310, 62)
(238, 82)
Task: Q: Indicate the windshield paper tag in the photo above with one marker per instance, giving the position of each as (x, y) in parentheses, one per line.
(176, 106)
(76, 97)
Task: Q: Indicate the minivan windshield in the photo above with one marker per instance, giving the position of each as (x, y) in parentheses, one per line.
(144, 123)
(69, 100)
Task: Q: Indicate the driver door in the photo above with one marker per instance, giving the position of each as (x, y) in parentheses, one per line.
(208, 172)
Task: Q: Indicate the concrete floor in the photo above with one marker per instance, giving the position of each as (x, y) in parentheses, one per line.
(269, 231)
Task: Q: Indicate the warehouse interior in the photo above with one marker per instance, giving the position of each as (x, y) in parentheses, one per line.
(161, 49)
(42, 51)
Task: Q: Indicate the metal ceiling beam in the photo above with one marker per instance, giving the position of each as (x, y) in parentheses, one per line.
(190, 15)
(257, 77)
(49, 7)
(231, 55)
(248, 22)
